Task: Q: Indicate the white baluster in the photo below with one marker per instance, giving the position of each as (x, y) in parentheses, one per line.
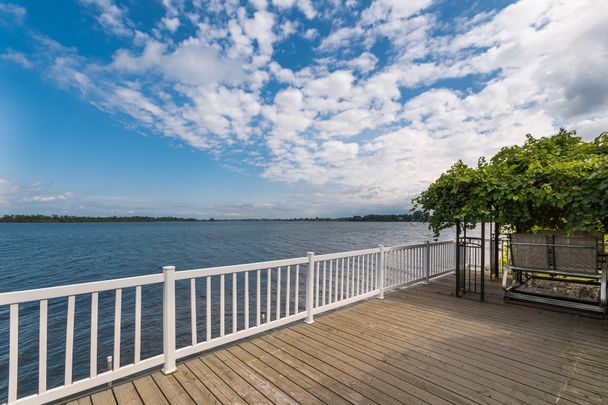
(234, 304)
(208, 307)
(193, 311)
(169, 320)
(310, 276)
(222, 305)
(117, 325)
(13, 357)
(246, 303)
(42, 347)
(257, 298)
(287, 291)
(93, 350)
(69, 340)
(137, 349)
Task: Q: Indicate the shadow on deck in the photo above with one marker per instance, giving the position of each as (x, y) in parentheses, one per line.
(418, 345)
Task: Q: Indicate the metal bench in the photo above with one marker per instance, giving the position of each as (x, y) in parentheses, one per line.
(556, 257)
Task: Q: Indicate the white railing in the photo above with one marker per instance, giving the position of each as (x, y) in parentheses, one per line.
(201, 309)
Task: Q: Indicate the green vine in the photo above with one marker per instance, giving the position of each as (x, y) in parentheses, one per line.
(553, 183)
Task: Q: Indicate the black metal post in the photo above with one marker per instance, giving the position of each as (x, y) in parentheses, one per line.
(458, 258)
(482, 281)
(465, 255)
(496, 244)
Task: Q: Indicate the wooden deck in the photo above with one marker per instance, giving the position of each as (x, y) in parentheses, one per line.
(419, 345)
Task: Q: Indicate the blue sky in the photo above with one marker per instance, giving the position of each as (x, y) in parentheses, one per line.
(279, 108)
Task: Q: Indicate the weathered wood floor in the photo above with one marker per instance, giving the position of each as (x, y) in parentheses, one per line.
(419, 345)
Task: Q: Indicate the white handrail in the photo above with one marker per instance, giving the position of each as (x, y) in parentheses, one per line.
(18, 297)
(272, 294)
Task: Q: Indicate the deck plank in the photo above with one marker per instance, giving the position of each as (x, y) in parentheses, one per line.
(339, 370)
(480, 356)
(295, 384)
(243, 388)
(407, 382)
(172, 389)
(126, 394)
(496, 341)
(420, 345)
(283, 395)
(103, 398)
(222, 390)
(197, 390)
(441, 362)
(322, 385)
(431, 374)
(149, 392)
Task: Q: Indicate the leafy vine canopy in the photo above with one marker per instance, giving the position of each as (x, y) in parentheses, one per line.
(558, 182)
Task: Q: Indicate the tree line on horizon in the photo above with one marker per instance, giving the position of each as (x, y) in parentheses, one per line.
(73, 218)
(416, 216)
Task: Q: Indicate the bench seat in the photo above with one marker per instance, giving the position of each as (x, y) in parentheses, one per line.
(555, 254)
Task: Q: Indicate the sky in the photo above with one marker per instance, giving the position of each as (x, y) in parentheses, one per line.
(280, 108)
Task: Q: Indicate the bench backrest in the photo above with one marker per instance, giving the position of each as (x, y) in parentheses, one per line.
(576, 253)
(555, 251)
(529, 250)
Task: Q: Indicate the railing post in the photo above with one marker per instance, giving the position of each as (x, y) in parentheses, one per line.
(169, 319)
(380, 281)
(427, 261)
(310, 287)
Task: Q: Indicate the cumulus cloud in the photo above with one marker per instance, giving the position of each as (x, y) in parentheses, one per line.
(305, 6)
(361, 126)
(111, 17)
(172, 24)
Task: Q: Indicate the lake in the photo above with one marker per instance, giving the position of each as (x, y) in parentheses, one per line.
(44, 255)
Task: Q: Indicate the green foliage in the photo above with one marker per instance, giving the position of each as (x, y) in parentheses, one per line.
(452, 197)
(558, 183)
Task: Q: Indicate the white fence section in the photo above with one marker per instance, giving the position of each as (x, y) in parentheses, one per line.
(201, 309)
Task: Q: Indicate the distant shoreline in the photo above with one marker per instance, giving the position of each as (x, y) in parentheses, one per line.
(416, 216)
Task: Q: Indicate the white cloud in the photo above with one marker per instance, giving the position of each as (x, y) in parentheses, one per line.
(17, 57)
(310, 33)
(50, 198)
(260, 29)
(7, 189)
(193, 62)
(14, 195)
(172, 24)
(363, 128)
(112, 18)
(392, 10)
(287, 28)
(549, 73)
(305, 6)
(340, 38)
(364, 62)
(260, 4)
(12, 14)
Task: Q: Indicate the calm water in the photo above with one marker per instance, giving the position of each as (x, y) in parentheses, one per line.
(44, 255)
